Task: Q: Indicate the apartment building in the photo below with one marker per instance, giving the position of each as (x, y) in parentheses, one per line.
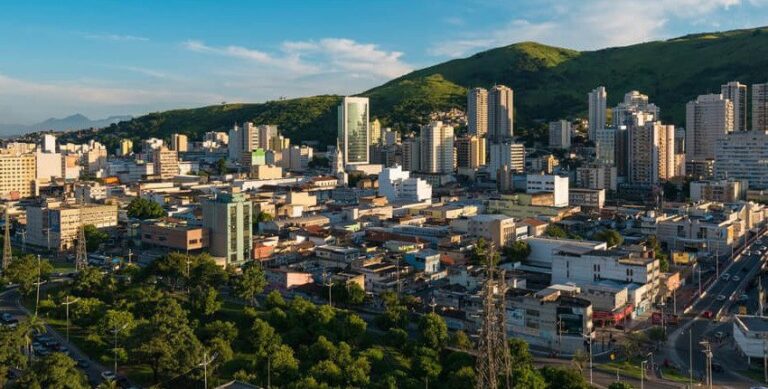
(55, 224)
(166, 163)
(743, 156)
(18, 173)
(538, 183)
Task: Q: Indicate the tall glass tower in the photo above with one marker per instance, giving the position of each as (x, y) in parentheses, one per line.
(354, 130)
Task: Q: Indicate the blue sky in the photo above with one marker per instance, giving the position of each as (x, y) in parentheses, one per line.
(131, 57)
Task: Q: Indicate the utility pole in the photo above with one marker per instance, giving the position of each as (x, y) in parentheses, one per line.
(708, 368)
(130, 254)
(37, 299)
(205, 364)
(67, 304)
(642, 372)
(690, 355)
(765, 361)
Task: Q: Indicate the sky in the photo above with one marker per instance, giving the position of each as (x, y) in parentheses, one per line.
(102, 58)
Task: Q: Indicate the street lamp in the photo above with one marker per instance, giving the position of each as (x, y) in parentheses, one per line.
(205, 364)
(115, 332)
(37, 299)
(642, 371)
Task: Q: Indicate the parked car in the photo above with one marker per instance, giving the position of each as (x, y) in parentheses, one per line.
(108, 375)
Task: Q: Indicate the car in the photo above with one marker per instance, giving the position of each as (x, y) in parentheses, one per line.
(7, 317)
(744, 297)
(720, 297)
(707, 314)
(108, 375)
(83, 364)
(736, 279)
(719, 335)
(725, 276)
(63, 350)
(12, 323)
(52, 344)
(747, 253)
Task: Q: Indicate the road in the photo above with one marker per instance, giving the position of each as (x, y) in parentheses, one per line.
(10, 303)
(721, 297)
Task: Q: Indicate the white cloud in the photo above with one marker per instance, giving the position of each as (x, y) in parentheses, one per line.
(589, 24)
(116, 37)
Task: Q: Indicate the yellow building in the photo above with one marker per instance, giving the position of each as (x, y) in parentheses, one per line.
(166, 163)
(126, 147)
(17, 175)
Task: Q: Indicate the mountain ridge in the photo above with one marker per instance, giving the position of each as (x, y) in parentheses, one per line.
(72, 122)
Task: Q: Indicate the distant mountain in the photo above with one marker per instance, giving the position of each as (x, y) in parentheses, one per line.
(550, 83)
(72, 122)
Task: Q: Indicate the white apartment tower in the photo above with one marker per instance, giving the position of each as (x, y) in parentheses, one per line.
(707, 119)
(477, 111)
(597, 106)
(500, 113)
(760, 107)
(437, 152)
(737, 93)
(743, 156)
(354, 130)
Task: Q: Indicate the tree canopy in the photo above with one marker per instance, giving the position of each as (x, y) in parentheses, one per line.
(141, 208)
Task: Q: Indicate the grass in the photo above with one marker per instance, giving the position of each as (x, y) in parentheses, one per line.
(626, 368)
(673, 374)
(63, 267)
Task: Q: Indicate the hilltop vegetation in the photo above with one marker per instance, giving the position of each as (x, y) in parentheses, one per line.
(549, 82)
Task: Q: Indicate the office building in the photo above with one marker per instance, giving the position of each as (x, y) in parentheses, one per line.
(596, 177)
(477, 111)
(760, 107)
(55, 225)
(437, 152)
(354, 130)
(560, 134)
(605, 143)
(411, 154)
(227, 216)
(500, 114)
(470, 151)
(707, 119)
(179, 143)
(737, 93)
(397, 185)
(597, 107)
(743, 156)
(507, 154)
(544, 183)
(268, 137)
(375, 132)
(166, 163)
(651, 153)
(126, 148)
(174, 235)
(497, 229)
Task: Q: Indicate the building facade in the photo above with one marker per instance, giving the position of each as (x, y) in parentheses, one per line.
(227, 216)
(500, 113)
(560, 134)
(597, 106)
(437, 152)
(477, 111)
(743, 156)
(737, 93)
(354, 130)
(707, 119)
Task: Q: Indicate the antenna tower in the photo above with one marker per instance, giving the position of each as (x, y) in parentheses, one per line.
(493, 363)
(81, 256)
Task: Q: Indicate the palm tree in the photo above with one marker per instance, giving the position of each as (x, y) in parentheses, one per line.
(29, 328)
(110, 384)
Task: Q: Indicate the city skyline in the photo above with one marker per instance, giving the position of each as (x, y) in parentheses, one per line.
(57, 60)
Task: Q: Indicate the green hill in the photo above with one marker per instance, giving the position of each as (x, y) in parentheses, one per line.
(549, 82)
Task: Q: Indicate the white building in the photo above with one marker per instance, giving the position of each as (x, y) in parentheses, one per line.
(437, 152)
(398, 186)
(507, 154)
(544, 183)
(49, 143)
(597, 106)
(707, 119)
(743, 156)
(477, 111)
(49, 165)
(560, 134)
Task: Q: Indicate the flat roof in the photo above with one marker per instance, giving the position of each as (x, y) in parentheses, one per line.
(754, 323)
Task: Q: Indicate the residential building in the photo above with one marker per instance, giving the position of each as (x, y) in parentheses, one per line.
(597, 108)
(269, 137)
(605, 142)
(354, 130)
(560, 134)
(49, 143)
(743, 156)
(707, 232)
(18, 172)
(339, 254)
(634, 103)
(47, 166)
(586, 198)
(397, 185)
(500, 114)
(437, 152)
(651, 153)
(126, 148)
(477, 111)
(179, 143)
(227, 216)
(174, 235)
(166, 163)
(507, 154)
(56, 225)
(95, 158)
(297, 158)
(376, 132)
(266, 172)
(497, 229)
(411, 154)
(596, 177)
(427, 260)
(470, 151)
(736, 92)
(242, 139)
(707, 119)
(722, 191)
(760, 107)
(538, 183)
(89, 192)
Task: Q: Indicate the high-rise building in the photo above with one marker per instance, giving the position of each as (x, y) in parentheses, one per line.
(743, 156)
(17, 175)
(560, 134)
(605, 142)
(375, 132)
(760, 107)
(354, 130)
(651, 153)
(48, 166)
(437, 153)
(737, 93)
(297, 158)
(477, 111)
(242, 140)
(411, 154)
(126, 148)
(267, 135)
(707, 119)
(470, 151)
(227, 216)
(500, 113)
(634, 102)
(179, 143)
(507, 154)
(166, 163)
(597, 106)
(49, 143)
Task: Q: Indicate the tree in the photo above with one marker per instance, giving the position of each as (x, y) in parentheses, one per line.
(519, 354)
(657, 335)
(461, 341)
(87, 311)
(204, 301)
(262, 217)
(611, 237)
(526, 377)
(563, 378)
(94, 237)
(620, 385)
(54, 371)
(226, 330)
(251, 283)
(221, 166)
(143, 209)
(462, 378)
(25, 271)
(12, 341)
(483, 253)
(264, 338)
(433, 331)
(555, 231)
(517, 251)
(426, 364)
(275, 300)
(205, 272)
(580, 360)
(87, 281)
